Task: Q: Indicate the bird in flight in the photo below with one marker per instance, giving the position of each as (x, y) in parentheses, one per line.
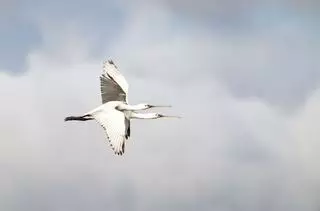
(115, 113)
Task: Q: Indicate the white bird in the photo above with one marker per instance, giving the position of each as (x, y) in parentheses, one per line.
(114, 114)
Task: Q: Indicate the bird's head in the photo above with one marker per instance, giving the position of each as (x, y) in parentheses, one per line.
(147, 106)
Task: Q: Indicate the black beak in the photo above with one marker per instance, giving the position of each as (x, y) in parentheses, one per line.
(160, 106)
(162, 115)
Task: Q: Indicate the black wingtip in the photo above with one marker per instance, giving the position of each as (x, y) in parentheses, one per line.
(120, 153)
(110, 61)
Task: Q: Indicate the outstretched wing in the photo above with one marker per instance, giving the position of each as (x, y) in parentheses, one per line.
(110, 90)
(111, 74)
(113, 122)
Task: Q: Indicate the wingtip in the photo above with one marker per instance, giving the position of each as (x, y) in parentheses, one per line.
(110, 61)
(119, 152)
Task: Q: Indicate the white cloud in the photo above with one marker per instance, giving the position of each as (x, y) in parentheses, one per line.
(226, 153)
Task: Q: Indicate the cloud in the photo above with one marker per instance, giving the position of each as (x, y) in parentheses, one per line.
(22, 22)
(276, 63)
(233, 149)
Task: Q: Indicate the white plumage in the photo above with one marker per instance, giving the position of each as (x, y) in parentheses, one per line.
(114, 114)
(113, 121)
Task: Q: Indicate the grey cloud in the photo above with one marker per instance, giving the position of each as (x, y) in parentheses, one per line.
(235, 16)
(276, 63)
(232, 8)
(67, 166)
(21, 23)
(17, 38)
(227, 153)
(7, 6)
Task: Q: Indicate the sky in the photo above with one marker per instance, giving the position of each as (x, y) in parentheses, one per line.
(244, 75)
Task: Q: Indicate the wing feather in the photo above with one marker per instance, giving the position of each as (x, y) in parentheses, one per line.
(127, 123)
(110, 90)
(110, 70)
(113, 122)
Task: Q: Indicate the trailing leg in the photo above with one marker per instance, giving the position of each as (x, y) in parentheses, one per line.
(79, 118)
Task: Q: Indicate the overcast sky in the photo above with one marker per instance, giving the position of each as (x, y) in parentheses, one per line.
(245, 76)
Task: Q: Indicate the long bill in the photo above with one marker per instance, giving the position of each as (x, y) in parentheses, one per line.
(170, 116)
(160, 106)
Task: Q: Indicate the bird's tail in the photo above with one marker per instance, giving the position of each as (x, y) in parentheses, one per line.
(78, 118)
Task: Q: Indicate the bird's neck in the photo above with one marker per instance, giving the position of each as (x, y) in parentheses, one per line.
(126, 107)
(142, 116)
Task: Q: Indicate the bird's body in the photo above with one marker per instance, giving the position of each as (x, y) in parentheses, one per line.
(115, 113)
